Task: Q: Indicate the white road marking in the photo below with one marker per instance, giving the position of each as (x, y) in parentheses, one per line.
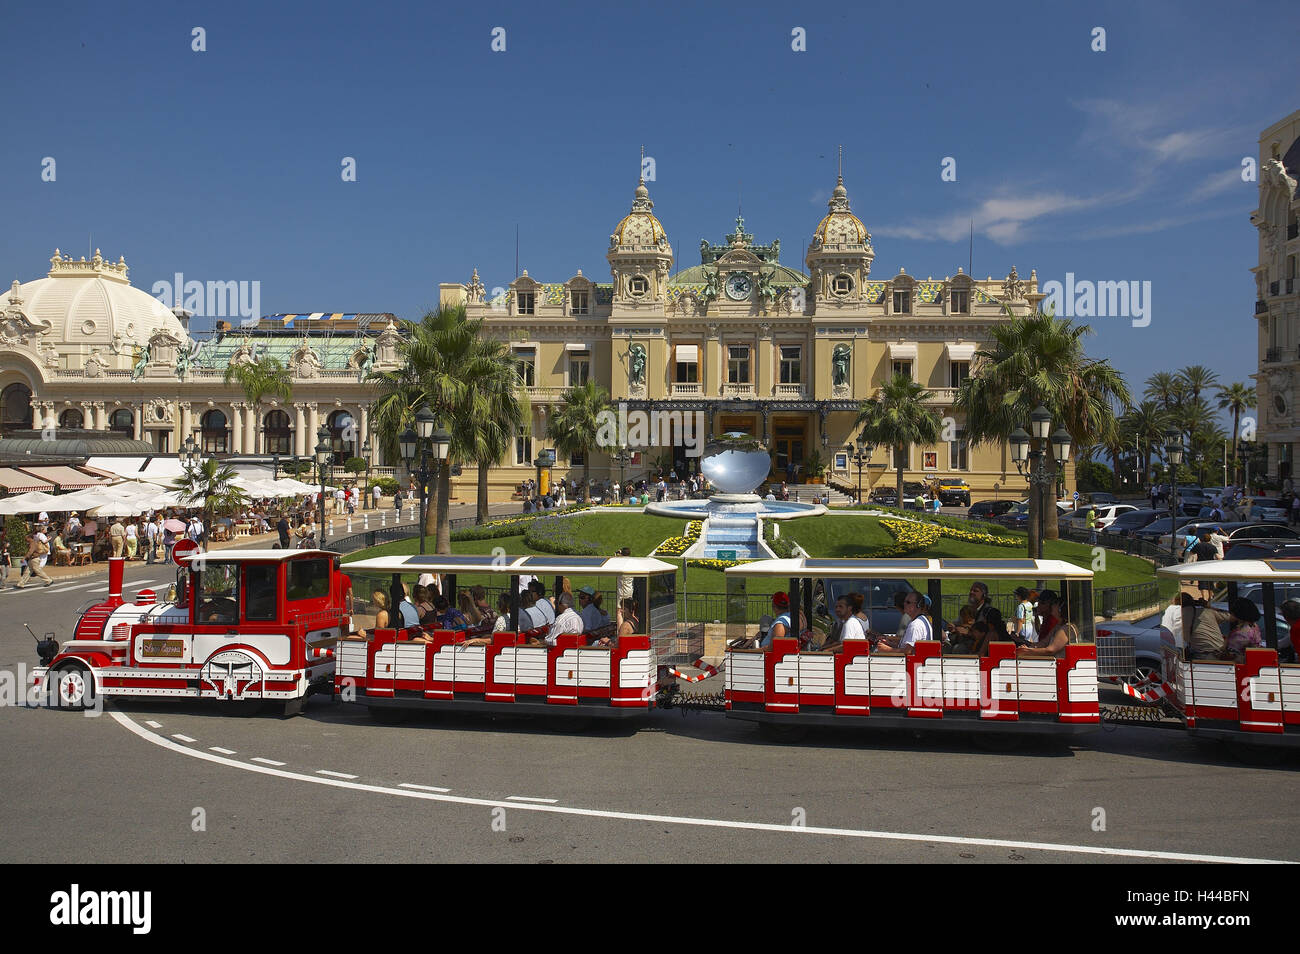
(334, 774)
(153, 725)
(266, 761)
(182, 738)
(423, 788)
(786, 829)
(217, 748)
(525, 798)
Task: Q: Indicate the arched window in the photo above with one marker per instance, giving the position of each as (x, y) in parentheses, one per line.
(72, 419)
(122, 421)
(214, 434)
(279, 433)
(15, 408)
(343, 436)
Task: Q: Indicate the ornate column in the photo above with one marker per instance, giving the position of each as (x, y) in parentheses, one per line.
(299, 428)
(236, 428)
(101, 416)
(137, 412)
(250, 428)
(88, 414)
(47, 417)
(183, 417)
(313, 422)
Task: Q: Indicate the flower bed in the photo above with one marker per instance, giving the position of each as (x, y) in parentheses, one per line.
(556, 535)
(676, 546)
(511, 526)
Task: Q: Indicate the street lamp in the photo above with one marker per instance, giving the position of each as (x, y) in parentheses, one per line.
(1174, 456)
(622, 457)
(861, 457)
(323, 454)
(365, 452)
(412, 441)
(1032, 465)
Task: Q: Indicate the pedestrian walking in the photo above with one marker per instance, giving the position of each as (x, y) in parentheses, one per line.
(38, 551)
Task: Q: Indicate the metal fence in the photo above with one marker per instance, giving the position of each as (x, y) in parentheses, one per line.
(370, 538)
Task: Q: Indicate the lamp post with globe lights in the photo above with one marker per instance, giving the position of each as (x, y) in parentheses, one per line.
(1032, 465)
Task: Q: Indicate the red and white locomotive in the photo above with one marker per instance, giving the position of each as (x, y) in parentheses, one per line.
(243, 625)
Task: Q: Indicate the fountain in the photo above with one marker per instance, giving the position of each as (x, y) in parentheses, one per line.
(735, 465)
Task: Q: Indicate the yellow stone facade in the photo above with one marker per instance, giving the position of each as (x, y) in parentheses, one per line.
(754, 345)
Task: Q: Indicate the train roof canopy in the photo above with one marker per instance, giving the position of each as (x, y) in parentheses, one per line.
(510, 565)
(253, 556)
(904, 567)
(1255, 571)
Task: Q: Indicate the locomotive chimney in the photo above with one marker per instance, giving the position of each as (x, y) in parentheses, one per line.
(116, 566)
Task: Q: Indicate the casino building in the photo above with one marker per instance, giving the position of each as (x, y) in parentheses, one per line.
(82, 348)
(755, 345)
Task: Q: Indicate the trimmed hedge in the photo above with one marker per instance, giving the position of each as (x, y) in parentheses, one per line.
(554, 534)
(511, 526)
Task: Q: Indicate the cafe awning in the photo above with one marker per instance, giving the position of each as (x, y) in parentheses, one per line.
(14, 481)
(65, 478)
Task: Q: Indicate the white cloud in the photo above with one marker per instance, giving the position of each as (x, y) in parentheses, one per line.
(1219, 182)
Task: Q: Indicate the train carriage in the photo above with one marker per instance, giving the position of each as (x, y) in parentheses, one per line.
(1255, 702)
(243, 625)
(396, 668)
(786, 685)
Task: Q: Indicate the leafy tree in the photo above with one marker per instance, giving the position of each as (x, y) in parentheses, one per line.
(263, 378)
(1237, 398)
(573, 427)
(898, 417)
(210, 484)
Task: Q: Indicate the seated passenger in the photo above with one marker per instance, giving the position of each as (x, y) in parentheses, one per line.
(959, 633)
(1056, 634)
(1291, 613)
(502, 624)
(407, 615)
(567, 621)
(850, 626)
(423, 603)
(1244, 633)
(916, 606)
(630, 623)
(465, 603)
(781, 626)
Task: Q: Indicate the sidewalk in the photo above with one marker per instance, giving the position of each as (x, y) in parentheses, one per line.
(338, 527)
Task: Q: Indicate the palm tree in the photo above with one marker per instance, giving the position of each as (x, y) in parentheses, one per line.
(1197, 378)
(1144, 425)
(1236, 397)
(898, 417)
(210, 484)
(1163, 387)
(448, 365)
(1033, 360)
(494, 435)
(261, 379)
(573, 427)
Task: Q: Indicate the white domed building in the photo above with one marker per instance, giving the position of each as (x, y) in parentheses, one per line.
(82, 348)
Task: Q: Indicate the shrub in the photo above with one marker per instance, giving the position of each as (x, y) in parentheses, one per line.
(16, 533)
(355, 465)
(554, 534)
(781, 546)
(387, 485)
(511, 526)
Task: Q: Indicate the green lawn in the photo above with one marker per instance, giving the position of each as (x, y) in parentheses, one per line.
(833, 535)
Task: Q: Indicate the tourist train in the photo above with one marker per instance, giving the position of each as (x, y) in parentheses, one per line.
(274, 626)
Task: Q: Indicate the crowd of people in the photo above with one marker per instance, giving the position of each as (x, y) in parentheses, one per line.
(544, 618)
(643, 491)
(1040, 628)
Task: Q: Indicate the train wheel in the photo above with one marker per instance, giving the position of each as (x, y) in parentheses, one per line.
(775, 732)
(75, 686)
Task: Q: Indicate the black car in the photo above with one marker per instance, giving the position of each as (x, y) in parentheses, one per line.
(1259, 548)
(988, 509)
(1127, 523)
(1154, 530)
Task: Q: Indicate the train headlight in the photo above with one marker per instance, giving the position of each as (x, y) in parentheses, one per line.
(47, 649)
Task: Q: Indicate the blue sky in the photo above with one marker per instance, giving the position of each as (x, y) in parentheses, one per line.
(225, 164)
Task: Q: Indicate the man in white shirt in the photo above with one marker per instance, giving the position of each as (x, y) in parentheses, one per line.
(914, 606)
(567, 621)
(851, 626)
(152, 530)
(375, 492)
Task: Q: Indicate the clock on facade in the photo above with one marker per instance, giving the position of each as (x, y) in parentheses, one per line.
(738, 287)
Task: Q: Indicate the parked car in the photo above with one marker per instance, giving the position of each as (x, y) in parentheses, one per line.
(954, 492)
(1235, 531)
(1269, 508)
(1017, 518)
(1259, 548)
(1132, 520)
(1153, 530)
(989, 509)
(1101, 498)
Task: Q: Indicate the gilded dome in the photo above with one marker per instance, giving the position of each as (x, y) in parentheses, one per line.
(639, 227)
(840, 226)
(93, 302)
